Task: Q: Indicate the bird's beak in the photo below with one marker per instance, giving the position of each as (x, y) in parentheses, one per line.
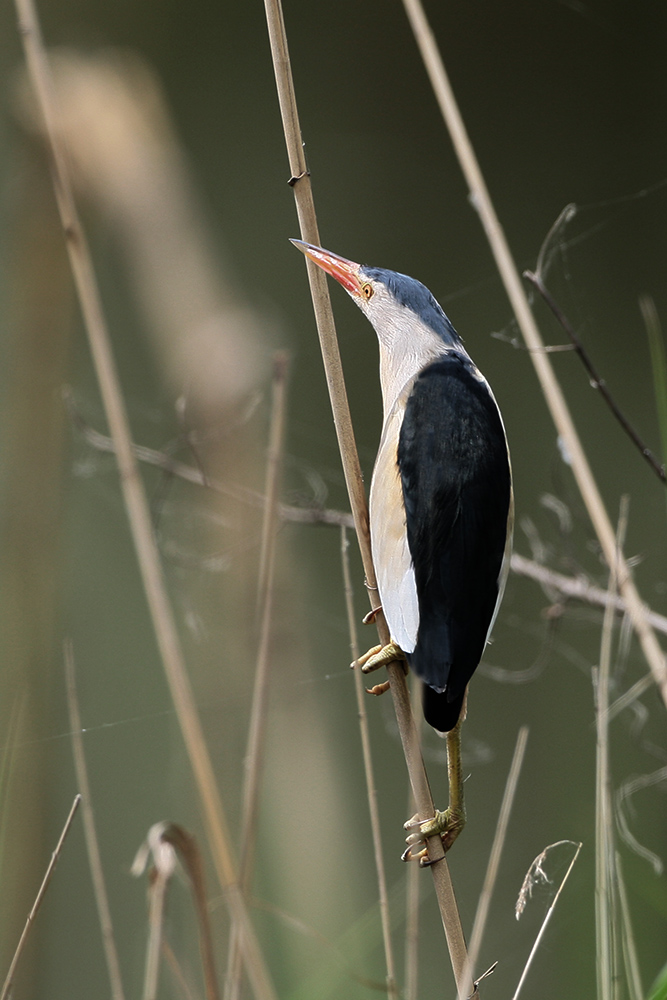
(344, 271)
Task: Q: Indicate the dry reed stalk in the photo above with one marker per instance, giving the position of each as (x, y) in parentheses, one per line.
(551, 389)
(9, 980)
(90, 833)
(371, 791)
(479, 923)
(411, 975)
(300, 181)
(135, 499)
(254, 755)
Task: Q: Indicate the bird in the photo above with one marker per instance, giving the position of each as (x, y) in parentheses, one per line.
(441, 499)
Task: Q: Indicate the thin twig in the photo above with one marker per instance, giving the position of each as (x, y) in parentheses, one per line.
(392, 988)
(493, 867)
(254, 755)
(578, 588)
(135, 498)
(625, 792)
(575, 587)
(300, 181)
(596, 380)
(90, 833)
(553, 393)
(7, 985)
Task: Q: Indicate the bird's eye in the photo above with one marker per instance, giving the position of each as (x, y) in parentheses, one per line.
(367, 291)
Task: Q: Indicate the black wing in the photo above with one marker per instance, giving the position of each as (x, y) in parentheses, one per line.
(455, 473)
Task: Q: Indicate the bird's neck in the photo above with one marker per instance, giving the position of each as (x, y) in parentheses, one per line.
(402, 362)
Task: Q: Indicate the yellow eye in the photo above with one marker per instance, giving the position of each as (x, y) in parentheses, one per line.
(367, 291)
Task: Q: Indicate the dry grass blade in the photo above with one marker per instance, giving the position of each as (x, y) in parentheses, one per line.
(536, 874)
(90, 833)
(493, 867)
(392, 989)
(135, 499)
(254, 756)
(7, 985)
(300, 181)
(191, 859)
(165, 843)
(541, 361)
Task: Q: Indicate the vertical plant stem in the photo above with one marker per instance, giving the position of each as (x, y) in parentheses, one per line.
(157, 897)
(135, 499)
(411, 984)
(300, 181)
(541, 360)
(90, 833)
(392, 989)
(632, 971)
(658, 364)
(254, 756)
(7, 985)
(605, 855)
(493, 867)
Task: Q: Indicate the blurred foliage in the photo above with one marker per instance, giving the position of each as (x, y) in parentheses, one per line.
(188, 213)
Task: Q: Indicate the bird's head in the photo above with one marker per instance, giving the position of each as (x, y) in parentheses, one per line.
(396, 305)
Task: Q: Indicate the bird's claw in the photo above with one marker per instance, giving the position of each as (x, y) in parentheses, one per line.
(379, 656)
(446, 824)
(371, 616)
(379, 689)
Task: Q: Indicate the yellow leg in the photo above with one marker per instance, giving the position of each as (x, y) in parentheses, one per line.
(449, 822)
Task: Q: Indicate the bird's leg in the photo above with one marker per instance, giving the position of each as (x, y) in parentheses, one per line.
(449, 822)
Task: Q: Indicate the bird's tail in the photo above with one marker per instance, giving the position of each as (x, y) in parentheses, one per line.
(439, 711)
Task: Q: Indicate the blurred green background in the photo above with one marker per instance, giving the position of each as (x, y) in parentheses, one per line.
(564, 102)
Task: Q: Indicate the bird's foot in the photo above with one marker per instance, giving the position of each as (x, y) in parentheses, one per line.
(446, 824)
(380, 656)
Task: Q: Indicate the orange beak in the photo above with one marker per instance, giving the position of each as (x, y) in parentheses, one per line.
(344, 271)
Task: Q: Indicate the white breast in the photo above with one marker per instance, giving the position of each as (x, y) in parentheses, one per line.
(389, 541)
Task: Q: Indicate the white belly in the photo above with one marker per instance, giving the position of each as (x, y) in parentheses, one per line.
(389, 540)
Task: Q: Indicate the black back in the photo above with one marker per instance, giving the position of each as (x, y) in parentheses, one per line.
(454, 467)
